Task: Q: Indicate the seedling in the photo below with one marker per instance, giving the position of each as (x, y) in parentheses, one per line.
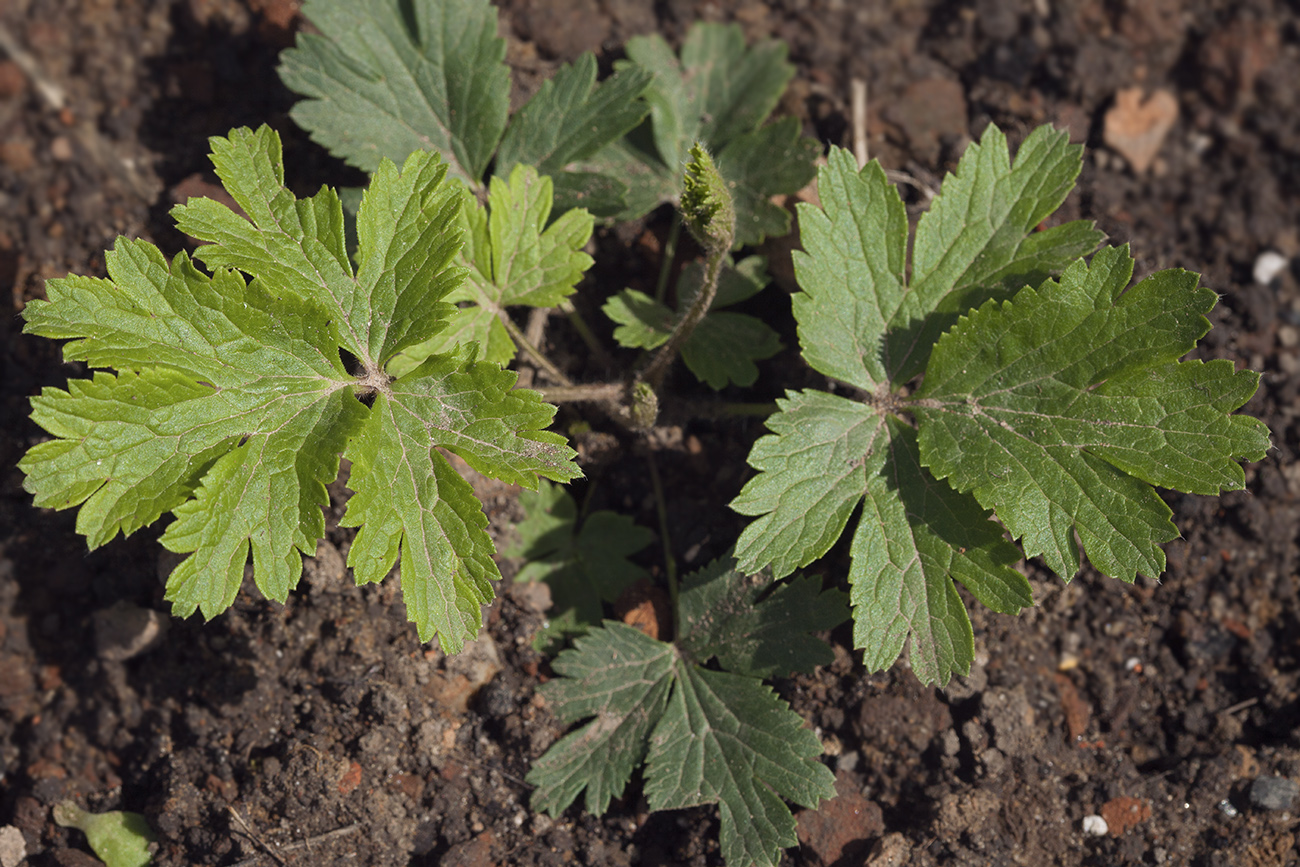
(232, 402)
(1054, 403)
(119, 838)
(384, 80)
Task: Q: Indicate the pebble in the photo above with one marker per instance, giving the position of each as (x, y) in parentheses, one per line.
(1269, 264)
(17, 155)
(13, 848)
(1136, 126)
(1095, 826)
(1273, 793)
(61, 148)
(123, 631)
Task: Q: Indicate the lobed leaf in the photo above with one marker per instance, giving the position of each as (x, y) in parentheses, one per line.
(513, 258)
(231, 404)
(391, 77)
(584, 566)
(1057, 409)
(727, 739)
(978, 239)
(915, 537)
(621, 678)
(1060, 408)
(718, 93)
(705, 736)
(568, 120)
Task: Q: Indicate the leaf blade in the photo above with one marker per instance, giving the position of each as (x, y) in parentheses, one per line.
(728, 739)
(1061, 378)
(381, 84)
(622, 678)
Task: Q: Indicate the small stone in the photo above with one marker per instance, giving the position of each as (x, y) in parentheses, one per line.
(61, 148)
(1137, 125)
(1269, 264)
(13, 848)
(1095, 826)
(841, 828)
(891, 850)
(1273, 793)
(123, 631)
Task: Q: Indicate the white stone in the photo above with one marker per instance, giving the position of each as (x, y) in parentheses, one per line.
(1269, 264)
(1095, 825)
(13, 848)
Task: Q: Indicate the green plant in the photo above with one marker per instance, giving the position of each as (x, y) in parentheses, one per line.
(232, 403)
(389, 78)
(584, 563)
(119, 838)
(705, 736)
(384, 79)
(1054, 403)
(724, 346)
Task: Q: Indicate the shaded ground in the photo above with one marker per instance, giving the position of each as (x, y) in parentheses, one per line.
(323, 731)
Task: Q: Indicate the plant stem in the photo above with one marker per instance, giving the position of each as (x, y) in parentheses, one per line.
(596, 392)
(670, 253)
(661, 507)
(532, 351)
(584, 331)
(654, 372)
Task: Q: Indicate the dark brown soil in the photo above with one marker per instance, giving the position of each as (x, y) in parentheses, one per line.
(323, 732)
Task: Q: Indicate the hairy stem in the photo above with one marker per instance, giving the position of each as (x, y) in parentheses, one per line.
(533, 352)
(658, 367)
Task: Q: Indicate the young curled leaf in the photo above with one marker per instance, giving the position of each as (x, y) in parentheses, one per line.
(707, 208)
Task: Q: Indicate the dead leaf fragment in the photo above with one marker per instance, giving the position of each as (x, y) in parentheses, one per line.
(646, 607)
(1136, 127)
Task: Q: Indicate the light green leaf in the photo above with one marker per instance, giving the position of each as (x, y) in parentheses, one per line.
(513, 258)
(620, 678)
(231, 405)
(722, 615)
(914, 538)
(119, 838)
(812, 475)
(727, 739)
(977, 241)
(408, 495)
(851, 270)
(386, 78)
(1059, 409)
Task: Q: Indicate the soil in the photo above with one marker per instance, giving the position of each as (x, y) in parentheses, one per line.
(322, 731)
